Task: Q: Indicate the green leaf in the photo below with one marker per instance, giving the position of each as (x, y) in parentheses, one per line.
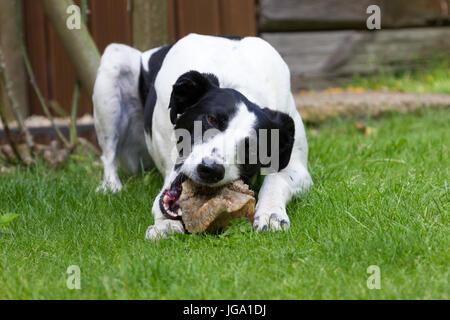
(7, 218)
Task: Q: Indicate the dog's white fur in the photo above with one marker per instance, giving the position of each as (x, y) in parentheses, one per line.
(250, 65)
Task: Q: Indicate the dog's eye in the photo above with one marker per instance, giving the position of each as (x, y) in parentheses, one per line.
(212, 121)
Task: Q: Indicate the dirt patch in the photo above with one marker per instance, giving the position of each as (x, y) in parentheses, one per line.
(317, 107)
(41, 122)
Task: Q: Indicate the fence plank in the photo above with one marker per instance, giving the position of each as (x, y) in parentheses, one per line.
(172, 21)
(36, 41)
(296, 15)
(111, 22)
(237, 17)
(320, 59)
(59, 68)
(199, 16)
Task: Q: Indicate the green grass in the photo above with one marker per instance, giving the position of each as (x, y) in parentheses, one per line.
(431, 77)
(363, 210)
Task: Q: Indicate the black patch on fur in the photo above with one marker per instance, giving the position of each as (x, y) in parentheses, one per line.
(147, 90)
(188, 90)
(195, 96)
(269, 119)
(237, 38)
(283, 122)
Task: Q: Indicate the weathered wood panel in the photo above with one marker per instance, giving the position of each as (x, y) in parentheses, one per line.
(200, 16)
(320, 59)
(237, 17)
(213, 17)
(109, 21)
(59, 68)
(295, 15)
(36, 41)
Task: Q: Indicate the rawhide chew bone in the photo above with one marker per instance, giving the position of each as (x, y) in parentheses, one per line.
(212, 209)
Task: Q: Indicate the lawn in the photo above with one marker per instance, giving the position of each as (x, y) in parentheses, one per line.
(430, 77)
(380, 199)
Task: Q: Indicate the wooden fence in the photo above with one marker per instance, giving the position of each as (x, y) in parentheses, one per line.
(323, 41)
(110, 21)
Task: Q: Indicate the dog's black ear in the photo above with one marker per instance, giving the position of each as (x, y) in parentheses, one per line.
(284, 123)
(188, 90)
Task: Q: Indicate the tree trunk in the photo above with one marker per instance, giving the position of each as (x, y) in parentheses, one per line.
(14, 69)
(78, 44)
(149, 24)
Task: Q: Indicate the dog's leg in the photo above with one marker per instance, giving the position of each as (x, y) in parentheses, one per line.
(116, 102)
(276, 191)
(278, 188)
(163, 226)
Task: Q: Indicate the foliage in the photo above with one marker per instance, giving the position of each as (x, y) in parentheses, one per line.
(6, 219)
(430, 77)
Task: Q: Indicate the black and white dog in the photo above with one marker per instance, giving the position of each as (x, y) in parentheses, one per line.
(233, 86)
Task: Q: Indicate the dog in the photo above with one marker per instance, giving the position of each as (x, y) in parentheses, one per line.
(233, 86)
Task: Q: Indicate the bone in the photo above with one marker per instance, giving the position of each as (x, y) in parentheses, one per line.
(212, 209)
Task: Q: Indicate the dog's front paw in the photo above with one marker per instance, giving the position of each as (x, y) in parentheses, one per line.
(161, 229)
(271, 220)
(110, 186)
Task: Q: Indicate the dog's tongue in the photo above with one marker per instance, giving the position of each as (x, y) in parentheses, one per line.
(169, 199)
(172, 194)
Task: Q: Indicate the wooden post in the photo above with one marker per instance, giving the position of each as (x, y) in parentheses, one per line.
(78, 44)
(149, 20)
(14, 69)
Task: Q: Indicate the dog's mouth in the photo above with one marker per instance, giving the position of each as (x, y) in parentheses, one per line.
(168, 202)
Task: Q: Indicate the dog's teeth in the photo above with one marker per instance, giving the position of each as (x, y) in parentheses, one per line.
(179, 212)
(165, 199)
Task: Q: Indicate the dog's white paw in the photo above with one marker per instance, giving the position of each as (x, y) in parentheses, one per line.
(110, 186)
(161, 229)
(271, 220)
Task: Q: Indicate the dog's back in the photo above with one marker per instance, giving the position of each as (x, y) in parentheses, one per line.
(249, 65)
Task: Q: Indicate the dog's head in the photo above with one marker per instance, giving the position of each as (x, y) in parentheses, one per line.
(222, 136)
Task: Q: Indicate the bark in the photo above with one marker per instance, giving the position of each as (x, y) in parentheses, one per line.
(149, 24)
(6, 83)
(8, 134)
(15, 71)
(78, 43)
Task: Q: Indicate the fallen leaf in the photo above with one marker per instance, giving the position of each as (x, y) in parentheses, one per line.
(359, 126)
(369, 131)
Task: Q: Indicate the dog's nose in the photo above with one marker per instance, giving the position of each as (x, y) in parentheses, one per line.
(210, 171)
